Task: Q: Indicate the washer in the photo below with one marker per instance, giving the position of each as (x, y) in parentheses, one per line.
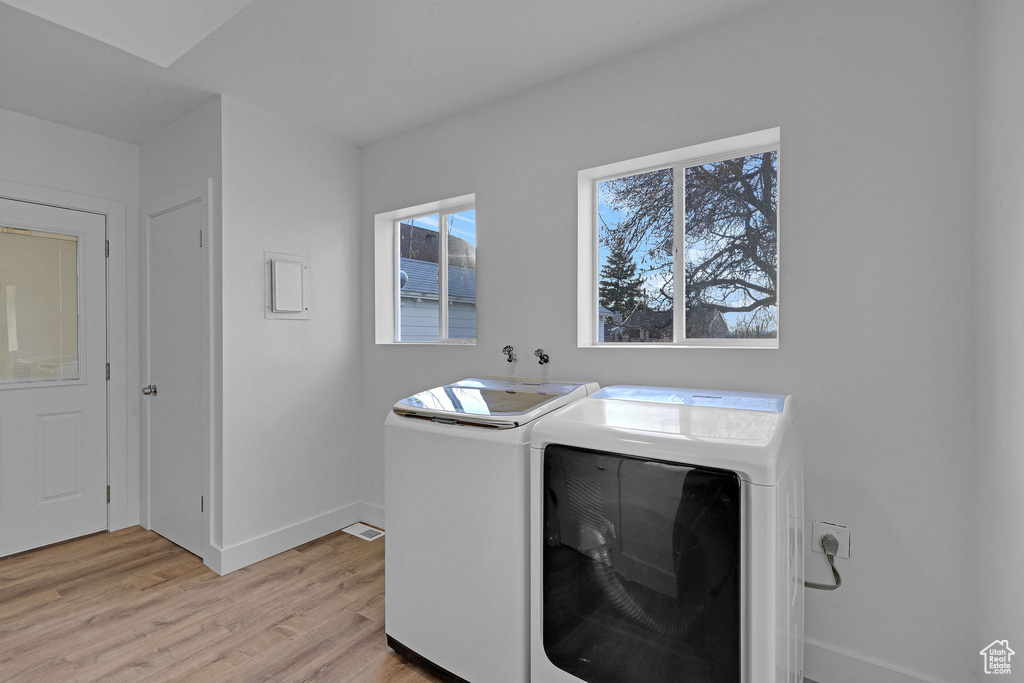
(666, 539)
(456, 471)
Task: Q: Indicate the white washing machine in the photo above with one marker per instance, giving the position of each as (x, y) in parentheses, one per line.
(456, 473)
(666, 539)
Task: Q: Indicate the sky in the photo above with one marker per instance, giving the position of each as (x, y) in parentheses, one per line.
(463, 224)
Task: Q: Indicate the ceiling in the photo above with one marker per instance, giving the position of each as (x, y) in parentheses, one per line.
(358, 69)
(159, 31)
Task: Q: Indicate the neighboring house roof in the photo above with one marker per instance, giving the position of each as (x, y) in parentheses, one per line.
(700, 322)
(706, 322)
(647, 318)
(422, 280)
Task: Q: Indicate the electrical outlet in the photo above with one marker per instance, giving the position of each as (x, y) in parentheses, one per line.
(842, 533)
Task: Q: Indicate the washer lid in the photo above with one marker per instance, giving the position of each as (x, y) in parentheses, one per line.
(492, 401)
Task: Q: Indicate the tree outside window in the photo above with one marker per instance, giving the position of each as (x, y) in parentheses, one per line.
(729, 232)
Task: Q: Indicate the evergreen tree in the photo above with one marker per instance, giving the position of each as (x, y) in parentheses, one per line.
(620, 289)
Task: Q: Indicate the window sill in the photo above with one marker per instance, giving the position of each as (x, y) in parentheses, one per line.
(692, 344)
(446, 342)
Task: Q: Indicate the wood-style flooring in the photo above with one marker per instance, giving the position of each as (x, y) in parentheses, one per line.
(131, 606)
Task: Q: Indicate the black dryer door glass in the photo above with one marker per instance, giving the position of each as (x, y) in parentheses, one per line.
(641, 569)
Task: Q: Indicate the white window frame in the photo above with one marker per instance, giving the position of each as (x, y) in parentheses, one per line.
(387, 292)
(587, 323)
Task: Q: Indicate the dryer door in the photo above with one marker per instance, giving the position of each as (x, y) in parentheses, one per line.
(641, 569)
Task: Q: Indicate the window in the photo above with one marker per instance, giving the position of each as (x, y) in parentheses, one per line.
(681, 248)
(426, 273)
(38, 306)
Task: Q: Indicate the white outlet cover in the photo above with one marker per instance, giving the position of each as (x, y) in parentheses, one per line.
(842, 533)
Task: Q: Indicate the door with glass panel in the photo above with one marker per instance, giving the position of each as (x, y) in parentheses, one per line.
(53, 394)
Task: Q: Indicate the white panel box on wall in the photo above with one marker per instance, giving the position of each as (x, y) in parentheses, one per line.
(286, 288)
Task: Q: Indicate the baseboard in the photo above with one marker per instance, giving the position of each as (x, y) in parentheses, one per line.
(825, 663)
(371, 514)
(226, 560)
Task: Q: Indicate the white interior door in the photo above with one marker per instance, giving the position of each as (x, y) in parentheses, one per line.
(53, 393)
(176, 343)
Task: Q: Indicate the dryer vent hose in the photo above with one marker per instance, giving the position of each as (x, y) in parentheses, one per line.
(595, 536)
(597, 547)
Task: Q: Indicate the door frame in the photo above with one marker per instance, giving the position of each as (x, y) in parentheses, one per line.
(201, 192)
(119, 477)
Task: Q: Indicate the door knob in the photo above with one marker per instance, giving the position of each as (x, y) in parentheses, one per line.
(150, 390)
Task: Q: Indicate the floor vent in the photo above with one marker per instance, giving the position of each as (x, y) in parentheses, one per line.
(367, 533)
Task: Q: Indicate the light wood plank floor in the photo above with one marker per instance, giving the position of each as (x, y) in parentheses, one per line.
(131, 606)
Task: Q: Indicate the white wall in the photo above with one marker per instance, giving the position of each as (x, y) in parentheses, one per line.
(999, 528)
(186, 152)
(291, 402)
(48, 155)
(37, 152)
(876, 105)
(285, 464)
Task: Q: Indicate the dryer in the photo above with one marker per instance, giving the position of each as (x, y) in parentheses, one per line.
(456, 472)
(666, 539)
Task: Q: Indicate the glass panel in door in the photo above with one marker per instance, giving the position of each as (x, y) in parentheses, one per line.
(38, 306)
